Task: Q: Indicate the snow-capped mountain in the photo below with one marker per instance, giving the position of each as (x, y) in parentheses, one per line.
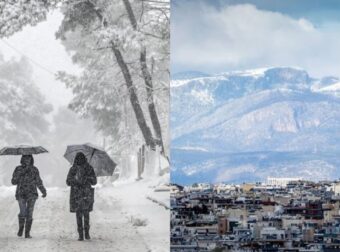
(233, 126)
(191, 96)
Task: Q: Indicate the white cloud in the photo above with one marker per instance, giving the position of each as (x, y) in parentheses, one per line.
(243, 37)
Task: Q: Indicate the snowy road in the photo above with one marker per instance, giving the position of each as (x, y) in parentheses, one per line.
(54, 227)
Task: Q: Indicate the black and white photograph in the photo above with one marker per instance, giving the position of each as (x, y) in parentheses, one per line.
(84, 136)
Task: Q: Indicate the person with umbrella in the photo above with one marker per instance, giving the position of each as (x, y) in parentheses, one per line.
(27, 179)
(80, 178)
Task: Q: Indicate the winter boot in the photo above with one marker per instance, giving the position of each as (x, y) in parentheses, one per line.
(80, 227)
(21, 225)
(87, 227)
(81, 234)
(28, 226)
(87, 234)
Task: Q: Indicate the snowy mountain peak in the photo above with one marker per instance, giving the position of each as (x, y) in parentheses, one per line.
(188, 75)
(274, 120)
(275, 74)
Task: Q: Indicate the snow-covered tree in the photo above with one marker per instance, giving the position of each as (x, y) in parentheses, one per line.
(123, 47)
(122, 59)
(15, 14)
(23, 110)
(158, 28)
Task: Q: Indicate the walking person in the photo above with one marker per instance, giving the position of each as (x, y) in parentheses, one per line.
(27, 179)
(81, 177)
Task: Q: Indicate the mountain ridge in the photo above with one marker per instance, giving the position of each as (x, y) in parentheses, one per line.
(278, 109)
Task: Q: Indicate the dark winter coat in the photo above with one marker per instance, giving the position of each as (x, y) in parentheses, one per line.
(27, 179)
(81, 177)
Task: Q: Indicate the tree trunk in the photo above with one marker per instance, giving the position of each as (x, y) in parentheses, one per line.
(147, 134)
(147, 80)
(151, 104)
(149, 140)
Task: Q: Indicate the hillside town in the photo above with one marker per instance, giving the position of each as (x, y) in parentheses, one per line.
(283, 214)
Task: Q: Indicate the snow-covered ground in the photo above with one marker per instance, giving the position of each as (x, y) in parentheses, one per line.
(123, 219)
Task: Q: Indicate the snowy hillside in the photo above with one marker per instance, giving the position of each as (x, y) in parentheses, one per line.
(274, 110)
(191, 96)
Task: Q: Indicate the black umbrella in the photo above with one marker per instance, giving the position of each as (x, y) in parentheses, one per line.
(22, 150)
(101, 162)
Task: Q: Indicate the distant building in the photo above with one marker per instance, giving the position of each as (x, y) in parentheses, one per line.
(272, 233)
(336, 188)
(287, 214)
(198, 187)
(223, 226)
(246, 187)
(280, 182)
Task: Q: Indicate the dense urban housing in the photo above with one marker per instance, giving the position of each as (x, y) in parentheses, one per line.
(283, 214)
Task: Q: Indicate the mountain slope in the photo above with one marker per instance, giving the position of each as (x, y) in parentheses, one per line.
(264, 111)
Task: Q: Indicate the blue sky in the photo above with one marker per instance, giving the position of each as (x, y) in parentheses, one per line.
(317, 11)
(216, 36)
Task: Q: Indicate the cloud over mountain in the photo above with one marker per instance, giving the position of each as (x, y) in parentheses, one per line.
(243, 36)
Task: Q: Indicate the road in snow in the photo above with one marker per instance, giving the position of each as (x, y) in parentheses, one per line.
(54, 227)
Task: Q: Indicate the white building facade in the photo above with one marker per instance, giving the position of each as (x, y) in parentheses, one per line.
(280, 182)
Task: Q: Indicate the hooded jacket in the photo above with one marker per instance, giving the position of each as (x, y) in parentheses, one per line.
(27, 179)
(81, 177)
